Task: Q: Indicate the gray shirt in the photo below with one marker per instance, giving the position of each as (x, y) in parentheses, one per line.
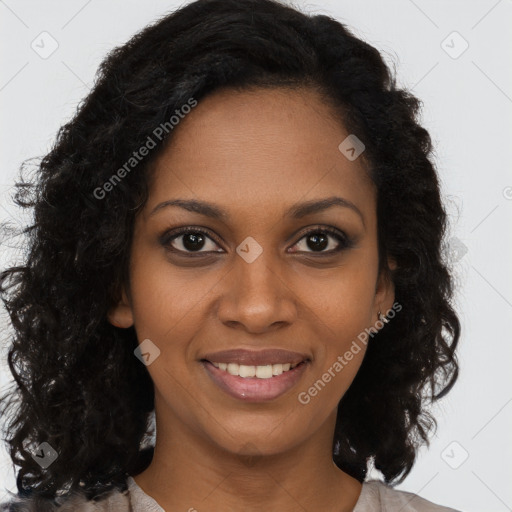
(375, 496)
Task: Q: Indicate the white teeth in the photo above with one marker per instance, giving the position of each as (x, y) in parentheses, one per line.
(233, 368)
(277, 369)
(248, 371)
(261, 372)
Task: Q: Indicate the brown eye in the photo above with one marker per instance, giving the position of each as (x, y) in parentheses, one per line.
(317, 240)
(189, 240)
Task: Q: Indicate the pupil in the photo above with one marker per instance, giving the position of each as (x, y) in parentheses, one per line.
(191, 240)
(320, 241)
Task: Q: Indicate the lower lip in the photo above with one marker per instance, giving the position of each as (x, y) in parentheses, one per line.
(252, 389)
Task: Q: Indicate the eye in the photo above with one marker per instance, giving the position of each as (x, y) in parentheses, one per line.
(318, 239)
(188, 240)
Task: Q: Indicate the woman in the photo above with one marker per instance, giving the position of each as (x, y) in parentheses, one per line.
(239, 231)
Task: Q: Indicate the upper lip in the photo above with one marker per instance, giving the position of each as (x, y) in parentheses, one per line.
(256, 357)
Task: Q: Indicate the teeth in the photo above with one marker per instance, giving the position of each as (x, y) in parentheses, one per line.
(277, 369)
(249, 371)
(261, 372)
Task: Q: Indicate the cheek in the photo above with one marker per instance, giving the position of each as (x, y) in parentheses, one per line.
(342, 298)
(342, 302)
(165, 297)
(341, 316)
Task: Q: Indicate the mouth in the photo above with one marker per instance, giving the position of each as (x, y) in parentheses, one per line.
(276, 372)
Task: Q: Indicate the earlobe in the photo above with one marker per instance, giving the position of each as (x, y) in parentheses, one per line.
(121, 315)
(392, 263)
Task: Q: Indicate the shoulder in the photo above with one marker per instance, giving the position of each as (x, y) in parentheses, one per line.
(377, 496)
(115, 500)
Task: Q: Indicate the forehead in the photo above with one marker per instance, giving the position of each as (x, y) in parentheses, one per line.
(258, 150)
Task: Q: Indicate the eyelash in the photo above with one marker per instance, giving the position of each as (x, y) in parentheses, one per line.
(344, 242)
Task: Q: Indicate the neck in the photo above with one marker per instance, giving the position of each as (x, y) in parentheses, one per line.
(189, 472)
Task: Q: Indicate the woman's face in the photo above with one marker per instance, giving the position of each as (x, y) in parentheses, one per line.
(254, 289)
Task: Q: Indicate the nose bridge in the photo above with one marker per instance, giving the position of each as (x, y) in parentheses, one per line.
(259, 276)
(256, 295)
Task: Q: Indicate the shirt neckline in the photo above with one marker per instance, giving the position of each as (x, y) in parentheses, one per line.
(142, 500)
(145, 500)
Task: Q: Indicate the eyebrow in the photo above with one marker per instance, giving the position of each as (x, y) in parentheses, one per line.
(296, 211)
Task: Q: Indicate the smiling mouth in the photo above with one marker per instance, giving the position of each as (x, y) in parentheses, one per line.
(259, 372)
(255, 383)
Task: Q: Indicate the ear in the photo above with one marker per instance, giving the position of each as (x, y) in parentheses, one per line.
(385, 290)
(121, 315)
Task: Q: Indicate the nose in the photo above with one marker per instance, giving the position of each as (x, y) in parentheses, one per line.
(256, 297)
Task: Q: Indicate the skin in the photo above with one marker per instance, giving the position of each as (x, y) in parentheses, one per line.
(254, 154)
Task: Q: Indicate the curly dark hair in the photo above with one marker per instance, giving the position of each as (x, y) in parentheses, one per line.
(79, 386)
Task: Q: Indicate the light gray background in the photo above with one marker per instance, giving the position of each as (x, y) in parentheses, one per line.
(468, 111)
